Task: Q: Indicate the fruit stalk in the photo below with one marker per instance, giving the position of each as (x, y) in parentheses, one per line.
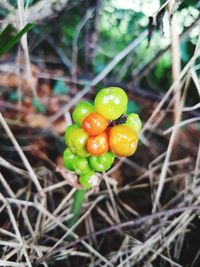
(78, 200)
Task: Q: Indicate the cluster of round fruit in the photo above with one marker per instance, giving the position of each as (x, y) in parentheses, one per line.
(100, 133)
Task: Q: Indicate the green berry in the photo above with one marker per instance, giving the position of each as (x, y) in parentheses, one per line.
(81, 166)
(101, 163)
(69, 130)
(69, 158)
(111, 102)
(81, 111)
(89, 180)
(77, 141)
(134, 122)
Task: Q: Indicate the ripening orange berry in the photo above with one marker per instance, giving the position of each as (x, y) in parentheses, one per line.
(98, 145)
(123, 140)
(94, 124)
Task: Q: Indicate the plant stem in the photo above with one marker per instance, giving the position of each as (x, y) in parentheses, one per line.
(77, 204)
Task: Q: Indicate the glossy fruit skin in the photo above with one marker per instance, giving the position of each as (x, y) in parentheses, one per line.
(98, 145)
(69, 158)
(134, 122)
(81, 111)
(81, 166)
(102, 163)
(123, 140)
(111, 102)
(77, 141)
(94, 124)
(69, 130)
(89, 180)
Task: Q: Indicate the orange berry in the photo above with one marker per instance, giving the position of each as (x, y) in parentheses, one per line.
(94, 124)
(123, 140)
(98, 145)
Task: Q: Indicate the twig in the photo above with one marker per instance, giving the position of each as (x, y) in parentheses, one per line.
(176, 62)
(16, 229)
(100, 76)
(40, 11)
(169, 92)
(142, 71)
(22, 16)
(133, 223)
(181, 124)
(75, 41)
(174, 131)
(59, 51)
(21, 153)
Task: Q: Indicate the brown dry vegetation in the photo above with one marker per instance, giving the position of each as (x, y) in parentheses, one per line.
(145, 211)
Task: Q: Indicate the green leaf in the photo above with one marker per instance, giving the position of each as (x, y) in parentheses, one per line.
(60, 88)
(6, 33)
(38, 105)
(8, 39)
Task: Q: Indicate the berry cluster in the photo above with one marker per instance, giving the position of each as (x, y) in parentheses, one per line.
(99, 134)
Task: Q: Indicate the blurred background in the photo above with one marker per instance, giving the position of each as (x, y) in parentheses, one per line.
(75, 48)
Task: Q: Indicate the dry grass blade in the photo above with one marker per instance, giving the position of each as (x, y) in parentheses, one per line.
(10, 263)
(116, 226)
(100, 76)
(174, 133)
(16, 229)
(21, 153)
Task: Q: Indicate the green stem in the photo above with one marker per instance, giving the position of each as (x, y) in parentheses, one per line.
(78, 200)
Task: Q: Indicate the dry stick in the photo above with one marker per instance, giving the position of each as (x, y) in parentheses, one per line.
(9, 166)
(27, 246)
(40, 11)
(100, 76)
(133, 223)
(175, 50)
(173, 135)
(196, 170)
(26, 219)
(196, 78)
(21, 153)
(7, 186)
(181, 124)
(62, 204)
(143, 250)
(40, 208)
(176, 63)
(23, 157)
(10, 254)
(167, 159)
(60, 52)
(11, 264)
(139, 73)
(16, 229)
(181, 224)
(22, 16)
(185, 219)
(7, 5)
(169, 92)
(75, 225)
(75, 41)
(110, 192)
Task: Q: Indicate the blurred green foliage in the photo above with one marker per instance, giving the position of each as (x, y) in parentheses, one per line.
(9, 37)
(60, 88)
(38, 105)
(116, 28)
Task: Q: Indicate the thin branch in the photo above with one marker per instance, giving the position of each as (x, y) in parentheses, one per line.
(133, 223)
(21, 153)
(100, 76)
